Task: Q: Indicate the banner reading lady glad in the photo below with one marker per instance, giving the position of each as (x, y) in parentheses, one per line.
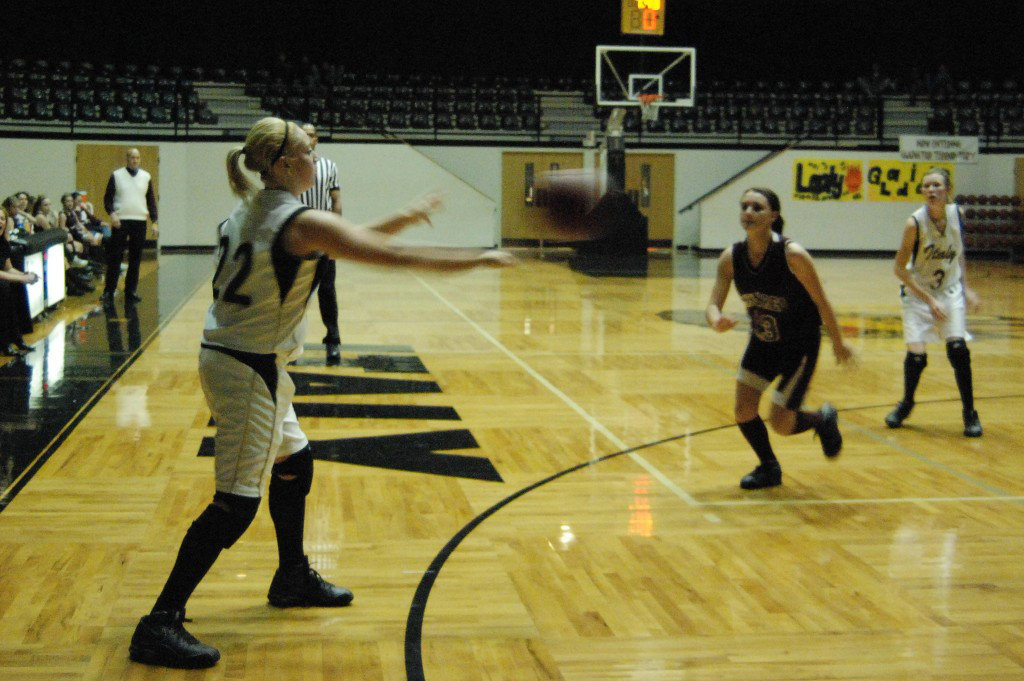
(899, 180)
(817, 179)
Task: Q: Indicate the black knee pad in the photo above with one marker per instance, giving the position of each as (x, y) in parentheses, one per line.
(226, 519)
(915, 360)
(957, 351)
(299, 464)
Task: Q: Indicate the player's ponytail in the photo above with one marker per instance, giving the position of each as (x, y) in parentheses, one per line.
(265, 143)
(239, 183)
(774, 204)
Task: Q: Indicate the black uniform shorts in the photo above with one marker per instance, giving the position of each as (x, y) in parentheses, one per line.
(794, 360)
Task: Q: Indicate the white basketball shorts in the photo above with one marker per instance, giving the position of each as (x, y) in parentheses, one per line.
(254, 425)
(919, 326)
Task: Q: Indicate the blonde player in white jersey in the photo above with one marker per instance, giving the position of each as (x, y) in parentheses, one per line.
(931, 266)
(268, 254)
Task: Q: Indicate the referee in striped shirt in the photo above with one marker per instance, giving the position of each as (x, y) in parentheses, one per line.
(325, 195)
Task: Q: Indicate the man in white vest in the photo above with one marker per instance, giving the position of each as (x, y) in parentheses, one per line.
(130, 201)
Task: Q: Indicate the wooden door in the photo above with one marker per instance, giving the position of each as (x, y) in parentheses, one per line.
(650, 182)
(1018, 176)
(520, 217)
(95, 162)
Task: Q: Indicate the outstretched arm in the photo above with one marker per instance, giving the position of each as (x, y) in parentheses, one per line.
(316, 231)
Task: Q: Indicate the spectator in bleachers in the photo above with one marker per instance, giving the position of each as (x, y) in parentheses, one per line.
(43, 214)
(18, 222)
(71, 219)
(87, 216)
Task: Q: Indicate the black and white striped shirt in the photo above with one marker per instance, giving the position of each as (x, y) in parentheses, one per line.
(319, 195)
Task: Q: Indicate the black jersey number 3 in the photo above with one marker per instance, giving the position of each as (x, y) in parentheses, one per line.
(764, 326)
(231, 294)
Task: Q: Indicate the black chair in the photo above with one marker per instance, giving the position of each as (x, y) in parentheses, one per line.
(19, 111)
(113, 113)
(64, 111)
(160, 114)
(126, 97)
(88, 112)
(137, 113)
(865, 127)
(968, 126)
(205, 117)
(679, 125)
(398, 119)
(148, 98)
(43, 111)
(420, 120)
(511, 122)
(85, 96)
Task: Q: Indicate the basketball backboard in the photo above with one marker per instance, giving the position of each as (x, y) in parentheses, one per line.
(623, 73)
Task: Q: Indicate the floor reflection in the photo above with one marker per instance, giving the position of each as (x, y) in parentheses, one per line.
(53, 386)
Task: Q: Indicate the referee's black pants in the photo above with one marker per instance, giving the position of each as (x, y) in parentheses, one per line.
(328, 298)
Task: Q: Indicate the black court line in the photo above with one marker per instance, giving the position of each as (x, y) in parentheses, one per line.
(414, 622)
(417, 609)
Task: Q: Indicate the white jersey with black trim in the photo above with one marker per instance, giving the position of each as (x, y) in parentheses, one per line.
(260, 291)
(935, 262)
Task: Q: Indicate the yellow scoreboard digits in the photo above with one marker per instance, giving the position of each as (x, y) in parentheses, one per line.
(643, 17)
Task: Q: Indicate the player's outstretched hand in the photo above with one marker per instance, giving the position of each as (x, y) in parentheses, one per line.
(496, 258)
(724, 323)
(844, 353)
(421, 209)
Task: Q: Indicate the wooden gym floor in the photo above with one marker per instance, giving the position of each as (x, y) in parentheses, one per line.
(527, 474)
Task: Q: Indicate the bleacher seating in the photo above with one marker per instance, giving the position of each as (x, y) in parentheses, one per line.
(108, 93)
(994, 224)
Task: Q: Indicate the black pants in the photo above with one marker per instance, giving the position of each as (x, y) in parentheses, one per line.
(134, 233)
(10, 326)
(328, 298)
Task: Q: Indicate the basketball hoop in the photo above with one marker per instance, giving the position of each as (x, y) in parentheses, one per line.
(648, 107)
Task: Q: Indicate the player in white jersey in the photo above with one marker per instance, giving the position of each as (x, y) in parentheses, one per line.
(268, 252)
(931, 266)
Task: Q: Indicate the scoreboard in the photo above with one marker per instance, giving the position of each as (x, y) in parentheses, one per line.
(643, 17)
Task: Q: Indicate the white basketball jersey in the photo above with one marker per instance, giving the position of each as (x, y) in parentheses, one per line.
(935, 262)
(259, 290)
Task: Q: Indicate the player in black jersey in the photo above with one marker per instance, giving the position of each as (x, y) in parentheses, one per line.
(777, 281)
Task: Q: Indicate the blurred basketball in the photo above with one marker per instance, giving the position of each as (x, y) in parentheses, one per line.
(568, 197)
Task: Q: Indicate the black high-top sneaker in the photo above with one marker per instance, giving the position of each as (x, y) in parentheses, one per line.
(160, 639)
(895, 418)
(765, 475)
(828, 431)
(972, 424)
(300, 586)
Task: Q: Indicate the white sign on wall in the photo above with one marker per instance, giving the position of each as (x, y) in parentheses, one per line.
(939, 148)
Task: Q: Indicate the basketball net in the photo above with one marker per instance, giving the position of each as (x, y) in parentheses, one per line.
(649, 107)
